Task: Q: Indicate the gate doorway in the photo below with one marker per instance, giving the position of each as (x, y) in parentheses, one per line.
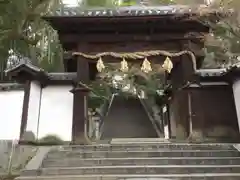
(127, 118)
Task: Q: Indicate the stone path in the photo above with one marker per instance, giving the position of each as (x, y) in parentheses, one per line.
(21, 155)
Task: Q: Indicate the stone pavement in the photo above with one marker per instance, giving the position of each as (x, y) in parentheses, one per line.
(21, 156)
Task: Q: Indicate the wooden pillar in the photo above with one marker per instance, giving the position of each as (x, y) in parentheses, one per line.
(236, 94)
(182, 73)
(196, 115)
(80, 100)
(182, 115)
(25, 109)
(178, 103)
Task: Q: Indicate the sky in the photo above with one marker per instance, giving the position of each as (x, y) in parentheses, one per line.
(70, 2)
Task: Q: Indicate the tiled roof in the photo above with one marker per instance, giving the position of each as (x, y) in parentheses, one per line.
(211, 72)
(234, 67)
(10, 86)
(62, 76)
(201, 84)
(24, 62)
(125, 11)
(39, 72)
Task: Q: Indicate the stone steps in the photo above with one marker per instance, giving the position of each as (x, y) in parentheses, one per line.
(73, 162)
(153, 153)
(145, 169)
(206, 176)
(139, 161)
(145, 146)
(131, 141)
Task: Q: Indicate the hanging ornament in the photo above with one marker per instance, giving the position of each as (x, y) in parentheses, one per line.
(100, 65)
(167, 65)
(124, 65)
(146, 66)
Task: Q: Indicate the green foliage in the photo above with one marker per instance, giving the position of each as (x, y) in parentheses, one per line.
(95, 102)
(128, 3)
(51, 140)
(93, 3)
(23, 31)
(223, 45)
(129, 83)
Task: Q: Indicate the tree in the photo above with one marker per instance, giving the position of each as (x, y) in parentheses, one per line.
(223, 45)
(94, 3)
(23, 32)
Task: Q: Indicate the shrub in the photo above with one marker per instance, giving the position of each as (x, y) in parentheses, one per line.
(51, 140)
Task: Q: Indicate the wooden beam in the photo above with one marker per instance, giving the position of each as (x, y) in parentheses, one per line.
(73, 38)
(80, 102)
(126, 25)
(27, 86)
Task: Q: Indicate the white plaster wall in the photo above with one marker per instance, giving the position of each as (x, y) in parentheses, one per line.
(56, 112)
(33, 107)
(236, 92)
(166, 128)
(11, 103)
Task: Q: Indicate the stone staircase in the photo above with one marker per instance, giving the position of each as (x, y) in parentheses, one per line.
(163, 161)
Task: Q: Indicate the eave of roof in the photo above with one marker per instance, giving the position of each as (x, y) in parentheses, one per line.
(233, 68)
(129, 11)
(38, 73)
(22, 65)
(11, 86)
(207, 84)
(211, 72)
(64, 76)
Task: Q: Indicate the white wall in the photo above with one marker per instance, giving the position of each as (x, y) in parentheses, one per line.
(33, 107)
(236, 92)
(11, 103)
(56, 112)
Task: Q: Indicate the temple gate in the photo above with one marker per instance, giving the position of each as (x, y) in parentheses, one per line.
(128, 30)
(168, 36)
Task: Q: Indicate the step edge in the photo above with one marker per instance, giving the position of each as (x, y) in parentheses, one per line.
(146, 158)
(160, 150)
(145, 144)
(134, 176)
(140, 166)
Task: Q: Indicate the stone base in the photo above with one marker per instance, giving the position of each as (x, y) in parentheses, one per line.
(196, 136)
(216, 134)
(81, 139)
(222, 131)
(181, 133)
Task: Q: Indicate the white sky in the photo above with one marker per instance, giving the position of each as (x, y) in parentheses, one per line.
(70, 2)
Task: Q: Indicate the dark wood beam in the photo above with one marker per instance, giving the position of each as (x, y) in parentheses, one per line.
(80, 105)
(73, 38)
(126, 24)
(27, 86)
